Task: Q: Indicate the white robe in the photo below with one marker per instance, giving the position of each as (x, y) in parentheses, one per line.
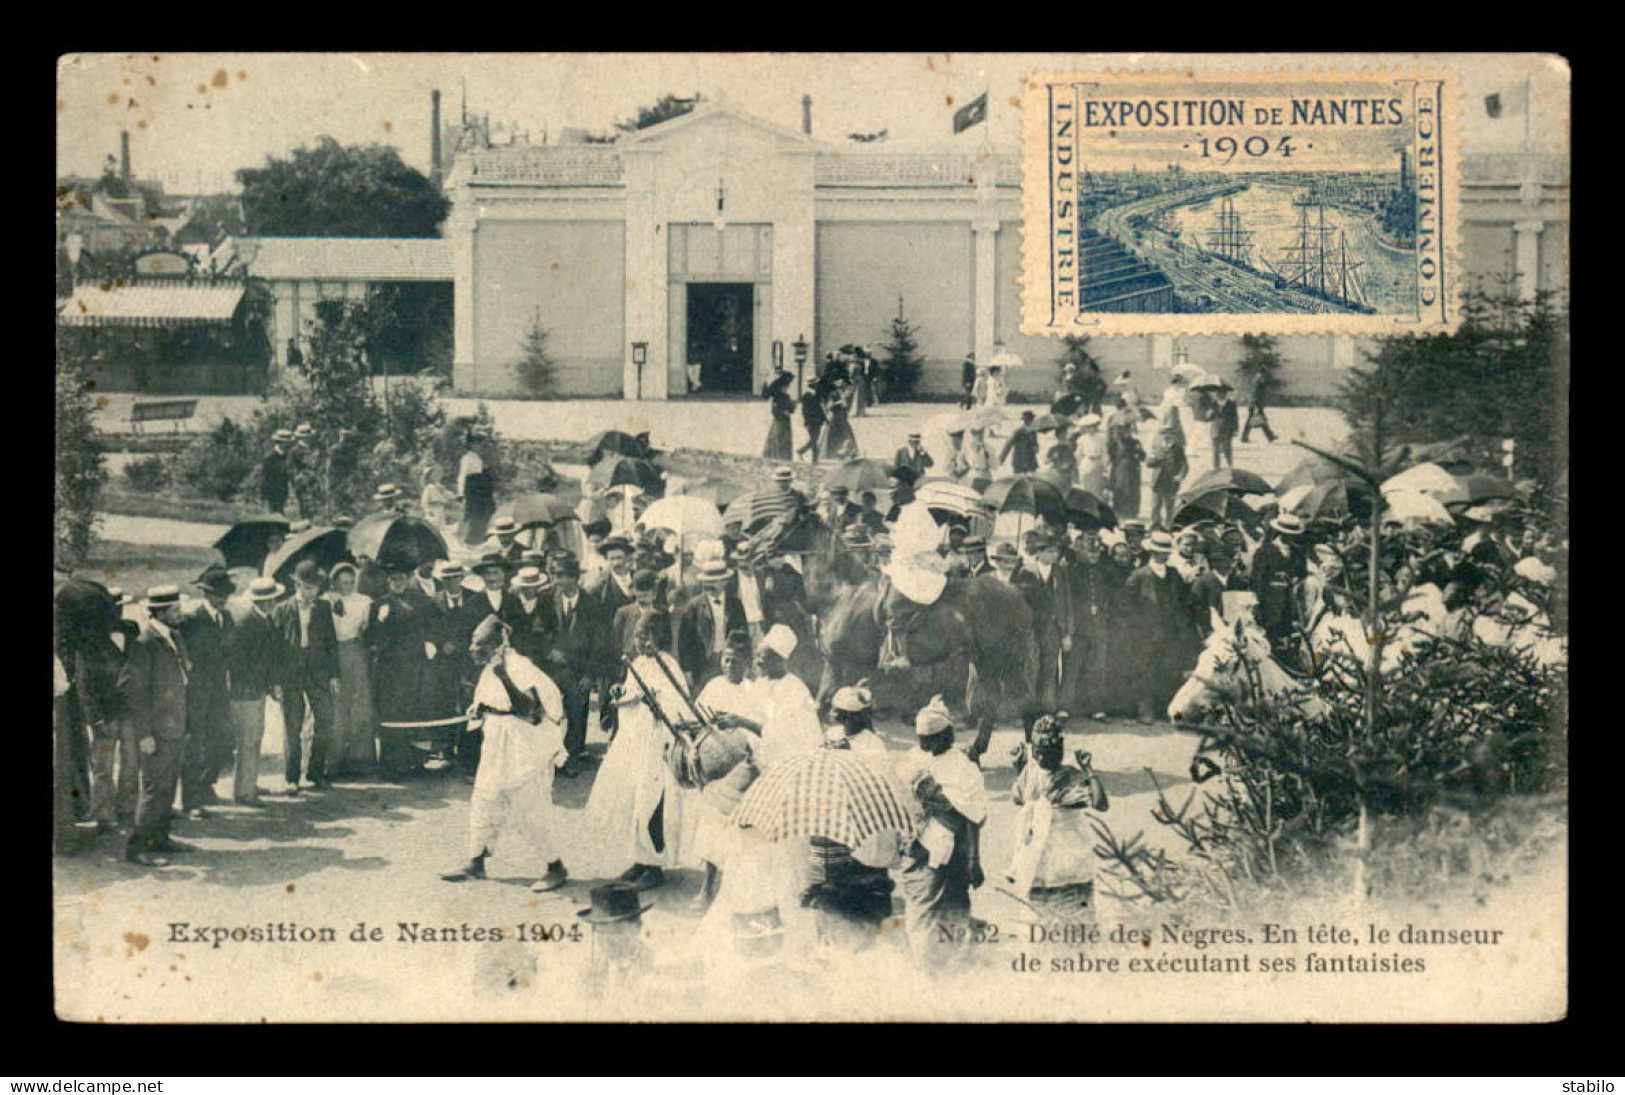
(789, 718)
(517, 758)
(634, 780)
(709, 836)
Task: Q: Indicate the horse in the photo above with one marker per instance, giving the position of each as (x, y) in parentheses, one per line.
(1423, 618)
(972, 645)
(1236, 664)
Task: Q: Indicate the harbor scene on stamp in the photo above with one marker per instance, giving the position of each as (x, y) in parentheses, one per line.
(810, 537)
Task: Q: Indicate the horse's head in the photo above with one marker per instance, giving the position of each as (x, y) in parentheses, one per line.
(1235, 666)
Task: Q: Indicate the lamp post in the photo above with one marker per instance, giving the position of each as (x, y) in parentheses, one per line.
(800, 347)
(778, 355)
(640, 354)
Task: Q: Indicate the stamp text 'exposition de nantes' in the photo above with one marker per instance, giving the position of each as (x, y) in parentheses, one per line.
(1183, 113)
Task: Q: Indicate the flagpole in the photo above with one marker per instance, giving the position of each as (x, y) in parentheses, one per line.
(1528, 113)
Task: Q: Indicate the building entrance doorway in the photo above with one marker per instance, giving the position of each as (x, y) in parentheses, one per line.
(721, 322)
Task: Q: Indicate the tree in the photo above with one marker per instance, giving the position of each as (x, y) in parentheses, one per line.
(339, 190)
(1260, 366)
(1084, 378)
(81, 458)
(902, 362)
(1502, 375)
(537, 370)
(663, 109)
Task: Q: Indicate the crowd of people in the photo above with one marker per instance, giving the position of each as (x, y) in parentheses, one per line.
(494, 663)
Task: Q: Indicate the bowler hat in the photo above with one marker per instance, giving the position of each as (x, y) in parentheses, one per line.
(614, 543)
(1005, 553)
(216, 579)
(564, 565)
(489, 560)
(612, 902)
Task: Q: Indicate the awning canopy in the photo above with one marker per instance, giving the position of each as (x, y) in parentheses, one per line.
(184, 305)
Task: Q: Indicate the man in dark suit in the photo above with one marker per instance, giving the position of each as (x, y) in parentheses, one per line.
(913, 457)
(312, 674)
(153, 681)
(209, 737)
(1279, 564)
(837, 510)
(708, 615)
(87, 615)
(1224, 427)
(400, 634)
(275, 473)
(457, 612)
(530, 621)
(255, 667)
(613, 591)
(576, 654)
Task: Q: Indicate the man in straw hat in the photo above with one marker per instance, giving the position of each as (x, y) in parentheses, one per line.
(388, 499)
(255, 664)
(1166, 642)
(913, 456)
(521, 715)
(153, 680)
(207, 630)
(275, 475)
(711, 611)
(944, 863)
(1279, 565)
(529, 619)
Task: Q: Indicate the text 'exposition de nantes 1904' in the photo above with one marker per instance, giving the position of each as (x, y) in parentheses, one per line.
(1284, 203)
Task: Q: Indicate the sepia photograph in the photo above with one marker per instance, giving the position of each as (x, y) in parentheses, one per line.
(787, 537)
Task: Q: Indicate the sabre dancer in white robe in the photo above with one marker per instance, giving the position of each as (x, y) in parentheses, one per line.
(521, 712)
(636, 802)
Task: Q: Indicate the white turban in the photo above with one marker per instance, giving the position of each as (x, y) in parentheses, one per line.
(933, 718)
(781, 640)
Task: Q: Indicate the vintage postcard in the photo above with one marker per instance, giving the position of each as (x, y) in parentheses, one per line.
(772, 537)
(1286, 202)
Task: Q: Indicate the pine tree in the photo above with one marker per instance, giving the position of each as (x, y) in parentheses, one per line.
(902, 362)
(537, 370)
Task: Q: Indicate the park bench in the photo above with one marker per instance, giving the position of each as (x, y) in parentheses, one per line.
(178, 411)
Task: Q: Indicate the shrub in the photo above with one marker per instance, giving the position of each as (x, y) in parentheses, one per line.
(221, 464)
(81, 460)
(148, 474)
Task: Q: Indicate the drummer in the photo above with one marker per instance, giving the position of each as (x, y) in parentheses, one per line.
(728, 693)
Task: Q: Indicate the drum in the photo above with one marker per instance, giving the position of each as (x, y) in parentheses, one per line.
(712, 753)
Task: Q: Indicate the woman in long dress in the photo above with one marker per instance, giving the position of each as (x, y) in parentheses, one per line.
(1125, 452)
(839, 441)
(1091, 453)
(636, 803)
(779, 445)
(354, 720)
(476, 489)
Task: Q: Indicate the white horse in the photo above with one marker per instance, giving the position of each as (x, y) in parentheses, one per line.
(1423, 618)
(1236, 664)
(1521, 626)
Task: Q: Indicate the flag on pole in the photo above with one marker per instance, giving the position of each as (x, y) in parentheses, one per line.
(971, 113)
(1508, 103)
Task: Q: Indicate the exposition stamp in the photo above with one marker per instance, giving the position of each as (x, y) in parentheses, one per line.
(1281, 203)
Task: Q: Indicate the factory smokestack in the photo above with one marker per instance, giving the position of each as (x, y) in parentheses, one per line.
(806, 115)
(434, 135)
(124, 155)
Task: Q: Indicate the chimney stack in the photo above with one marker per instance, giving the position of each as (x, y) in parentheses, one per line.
(806, 115)
(434, 135)
(124, 155)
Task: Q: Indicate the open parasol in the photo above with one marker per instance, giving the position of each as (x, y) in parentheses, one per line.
(860, 475)
(618, 471)
(949, 497)
(1005, 359)
(1234, 480)
(830, 793)
(1213, 505)
(247, 543)
(325, 545)
(616, 443)
(396, 536)
(1329, 501)
(1310, 471)
(1483, 488)
(1087, 511)
(541, 510)
(1186, 371)
(1047, 422)
(719, 492)
(685, 515)
(1027, 494)
(757, 508)
(1411, 505)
